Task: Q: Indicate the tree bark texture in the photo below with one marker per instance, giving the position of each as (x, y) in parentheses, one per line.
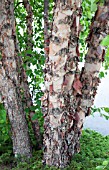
(70, 93)
(29, 20)
(10, 80)
(59, 141)
(93, 60)
(106, 2)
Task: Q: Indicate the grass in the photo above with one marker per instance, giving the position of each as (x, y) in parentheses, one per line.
(94, 153)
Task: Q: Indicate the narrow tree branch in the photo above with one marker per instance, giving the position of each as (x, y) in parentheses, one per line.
(29, 44)
(29, 20)
(18, 5)
(46, 27)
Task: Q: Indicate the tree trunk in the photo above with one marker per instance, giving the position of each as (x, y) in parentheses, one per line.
(69, 94)
(59, 142)
(93, 61)
(10, 80)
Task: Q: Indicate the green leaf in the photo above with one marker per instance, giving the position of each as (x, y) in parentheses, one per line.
(27, 110)
(106, 109)
(105, 116)
(2, 116)
(93, 6)
(100, 167)
(34, 117)
(33, 108)
(105, 41)
(105, 163)
(101, 75)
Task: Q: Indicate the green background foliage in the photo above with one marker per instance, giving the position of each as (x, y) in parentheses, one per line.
(36, 61)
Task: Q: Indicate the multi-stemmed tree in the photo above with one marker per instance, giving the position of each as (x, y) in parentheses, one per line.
(69, 92)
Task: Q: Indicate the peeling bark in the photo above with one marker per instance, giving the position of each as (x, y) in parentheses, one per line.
(10, 81)
(85, 83)
(93, 61)
(60, 69)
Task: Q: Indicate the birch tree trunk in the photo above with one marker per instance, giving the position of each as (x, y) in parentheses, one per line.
(93, 61)
(70, 93)
(60, 68)
(10, 80)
